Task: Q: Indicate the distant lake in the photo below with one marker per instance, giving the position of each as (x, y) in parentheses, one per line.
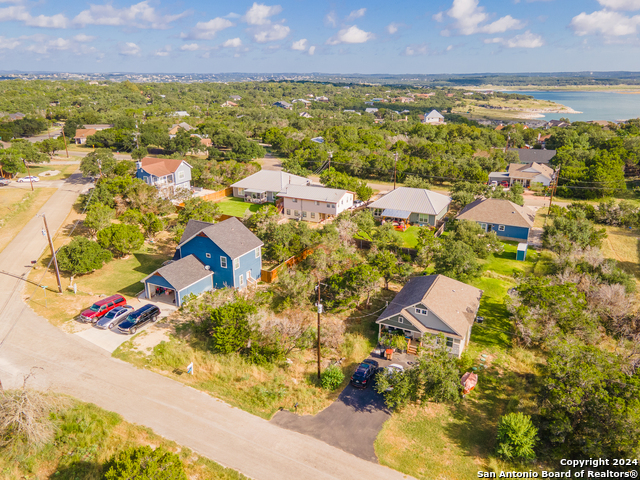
(593, 105)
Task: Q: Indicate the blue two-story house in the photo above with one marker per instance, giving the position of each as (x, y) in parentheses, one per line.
(209, 256)
(508, 220)
(167, 174)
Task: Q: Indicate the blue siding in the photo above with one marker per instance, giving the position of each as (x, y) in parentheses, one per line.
(248, 262)
(197, 288)
(521, 233)
(159, 281)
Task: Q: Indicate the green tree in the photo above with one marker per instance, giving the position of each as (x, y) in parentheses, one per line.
(362, 279)
(151, 224)
(386, 264)
(125, 168)
(50, 146)
(139, 153)
(11, 163)
(229, 326)
(99, 162)
(456, 259)
(387, 237)
(197, 209)
(99, 216)
(471, 233)
(144, 463)
(517, 437)
(121, 238)
(572, 230)
(81, 256)
(332, 377)
(413, 181)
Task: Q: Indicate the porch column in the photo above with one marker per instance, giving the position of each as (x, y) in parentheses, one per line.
(379, 331)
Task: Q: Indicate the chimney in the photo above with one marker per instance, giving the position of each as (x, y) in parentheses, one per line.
(138, 165)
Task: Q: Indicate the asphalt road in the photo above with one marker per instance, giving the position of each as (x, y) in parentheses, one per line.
(70, 365)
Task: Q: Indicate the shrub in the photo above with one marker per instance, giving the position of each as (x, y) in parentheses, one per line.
(144, 463)
(82, 255)
(332, 377)
(121, 238)
(517, 437)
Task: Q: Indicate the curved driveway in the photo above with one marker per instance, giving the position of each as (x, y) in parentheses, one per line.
(192, 418)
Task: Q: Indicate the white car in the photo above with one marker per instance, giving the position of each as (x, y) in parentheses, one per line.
(392, 370)
(28, 179)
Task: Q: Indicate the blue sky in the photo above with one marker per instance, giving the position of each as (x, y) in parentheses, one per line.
(406, 36)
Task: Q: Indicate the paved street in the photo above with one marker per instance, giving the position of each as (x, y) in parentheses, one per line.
(192, 418)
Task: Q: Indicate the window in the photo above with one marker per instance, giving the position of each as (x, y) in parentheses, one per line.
(328, 205)
(421, 311)
(236, 263)
(377, 212)
(241, 191)
(146, 179)
(501, 228)
(208, 255)
(258, 251)
(294, 200)
(241, 280)
(400, 320)
(304, 214)
(296, 213)
(180, 175)
(223, 262)
(333, 206)
(288, 211)
(483, 226)
(317, 202)
(313, 214)
(449, 342)
(423, 218)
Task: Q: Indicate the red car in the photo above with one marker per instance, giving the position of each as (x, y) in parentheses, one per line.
(101, 307)
(504, 184)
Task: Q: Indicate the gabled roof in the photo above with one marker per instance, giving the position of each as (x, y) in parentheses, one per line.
(529, 170)
(161, 167)
(434, 114)
(182, 273)
(84, 132)
(417, 200)
(231, 236)
(498, 210)
(453, 302)
(271, 181)
(313, 192)
(534, 155)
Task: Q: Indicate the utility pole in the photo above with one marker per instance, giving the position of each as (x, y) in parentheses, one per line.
(319, 310)
(395, 162)
(53, 252)
(553, 191)
(100, 167)
(28, 173)
(65, 142)
(330, 157)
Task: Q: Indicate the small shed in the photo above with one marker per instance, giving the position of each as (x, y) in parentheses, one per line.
(521, 254)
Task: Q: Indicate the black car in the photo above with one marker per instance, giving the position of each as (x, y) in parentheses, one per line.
(363, 375)
(142, 316)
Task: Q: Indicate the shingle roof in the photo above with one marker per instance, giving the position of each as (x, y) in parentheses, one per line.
(517, 170)
(231, 236)
(534, 155)
(161, 166)
(270, 181)
(84, 132)
(313, 192)
(182, 273)
(434, 114)
(498, 210)
(453, 302)
(417, 200)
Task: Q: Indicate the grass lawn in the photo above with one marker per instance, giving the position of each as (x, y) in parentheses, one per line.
(17, 207)
(65, 171)
(455, 441)
(623, 245)
(86, 437)
(409, 236)
(236, 206)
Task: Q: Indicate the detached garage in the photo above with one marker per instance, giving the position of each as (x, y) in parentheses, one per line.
(173, 282)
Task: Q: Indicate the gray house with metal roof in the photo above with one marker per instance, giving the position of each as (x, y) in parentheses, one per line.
(263, 186)
(430, 306)
(413, 205)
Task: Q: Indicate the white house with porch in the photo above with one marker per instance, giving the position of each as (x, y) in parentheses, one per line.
(430, 306)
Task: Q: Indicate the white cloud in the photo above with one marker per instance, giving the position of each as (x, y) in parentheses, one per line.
(524, 40)
(259, 13)
(208, 30)
(163, 52)
(393, 27)
(192, 47)
(129, 49)
(350, 34)
(271, 33)
(449, 48)
(417, 49)
(8, 43)
(356, 14)
(312, 50)
(84, 38)
(232, 43)
(330, 19)
(629, 5)
(20, 14)
(603, 22)
(140, 15)
(300, 45)
(469, 18)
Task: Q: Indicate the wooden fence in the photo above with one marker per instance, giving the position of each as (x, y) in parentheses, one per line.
(225, 192)
(366, 245)
(270, 276)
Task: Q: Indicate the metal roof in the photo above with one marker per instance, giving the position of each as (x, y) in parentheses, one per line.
(313, 192)
(270, 180)
(416, 200)
(389, 212)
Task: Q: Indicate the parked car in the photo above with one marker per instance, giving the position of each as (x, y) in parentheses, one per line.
(362, 375)
(358, 203)
(390, 371)
(504, 184)
(4, 182)
(139, 318)
(114, 317)
(28, 179)
(102, 307)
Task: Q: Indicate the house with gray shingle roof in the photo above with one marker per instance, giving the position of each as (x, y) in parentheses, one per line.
(412, 205)
(228, 250)
(524, 174)
(509, 220)
(433, 305)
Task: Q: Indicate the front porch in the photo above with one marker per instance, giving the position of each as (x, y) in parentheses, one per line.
(255, 196)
